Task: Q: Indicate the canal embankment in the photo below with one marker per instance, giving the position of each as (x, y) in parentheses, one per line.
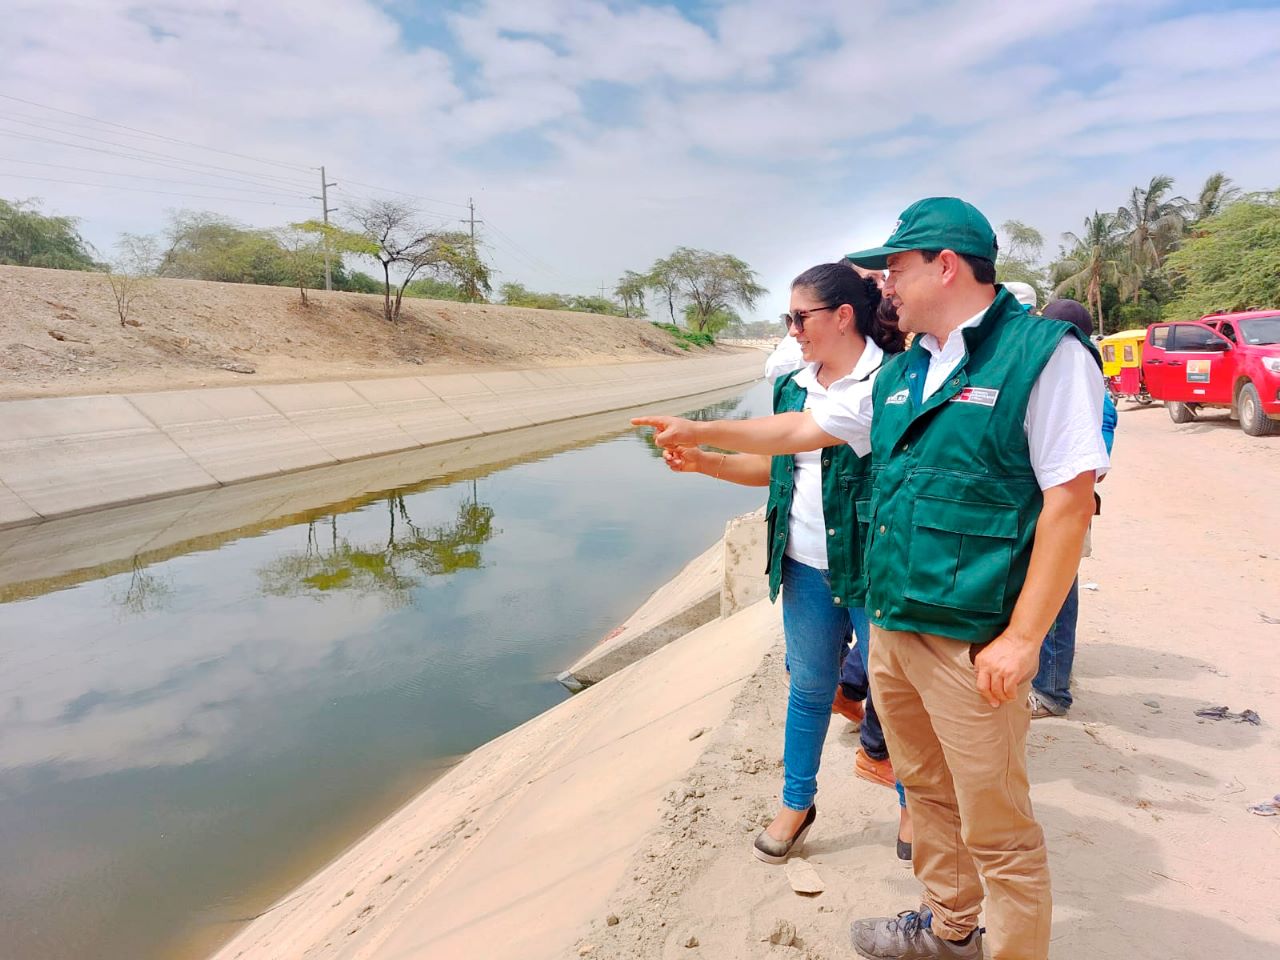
(61, 456)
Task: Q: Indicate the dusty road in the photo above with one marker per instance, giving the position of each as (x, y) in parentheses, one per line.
(1153, 852)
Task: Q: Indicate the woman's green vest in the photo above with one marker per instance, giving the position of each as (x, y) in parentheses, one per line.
(955, 500)
(846, 480)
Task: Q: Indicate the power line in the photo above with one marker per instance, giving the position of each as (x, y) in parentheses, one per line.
(144, 152)
(403, 193)
(163, 193)
(140, 176)
(180, 165)
(158, 136)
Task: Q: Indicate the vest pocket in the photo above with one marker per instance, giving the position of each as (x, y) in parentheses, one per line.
(960, 553)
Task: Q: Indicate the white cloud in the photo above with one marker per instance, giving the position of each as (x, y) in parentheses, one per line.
(785, 136)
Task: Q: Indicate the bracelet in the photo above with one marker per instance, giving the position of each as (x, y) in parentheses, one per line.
(716, 475)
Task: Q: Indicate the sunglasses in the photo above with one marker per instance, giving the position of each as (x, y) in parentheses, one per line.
(796, 318)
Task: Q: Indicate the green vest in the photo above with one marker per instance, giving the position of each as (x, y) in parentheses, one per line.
(955, 500)
(846, 480)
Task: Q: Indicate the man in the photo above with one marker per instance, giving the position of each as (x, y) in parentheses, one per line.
(1051, 689)
(986, 442)
(1024, 293)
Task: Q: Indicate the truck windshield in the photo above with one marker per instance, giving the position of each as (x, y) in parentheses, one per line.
(1261, 330)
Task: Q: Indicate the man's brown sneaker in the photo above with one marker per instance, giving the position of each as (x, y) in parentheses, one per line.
(876, 771)
(848, 708)
(909, 936)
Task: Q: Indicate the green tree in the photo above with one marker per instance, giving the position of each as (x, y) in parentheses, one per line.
(1021, 242)
(405, 248)
(1216, 195)
(630, 290)
(721, 318)
(1092, 259)
(429, 288)
(707, 282)
(1152, 223)
(207, 246)
(1233, 263)
(28, 238)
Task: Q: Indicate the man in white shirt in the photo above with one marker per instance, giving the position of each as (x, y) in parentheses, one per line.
(986, 443)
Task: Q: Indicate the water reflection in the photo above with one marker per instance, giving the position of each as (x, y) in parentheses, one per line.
(332, 562)
(187, 736)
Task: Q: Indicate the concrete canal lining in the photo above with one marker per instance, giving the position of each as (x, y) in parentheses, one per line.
(68, 455)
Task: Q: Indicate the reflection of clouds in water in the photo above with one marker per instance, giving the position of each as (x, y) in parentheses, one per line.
(170, 698)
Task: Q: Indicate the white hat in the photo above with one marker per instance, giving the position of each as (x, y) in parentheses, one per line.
(1025, 293)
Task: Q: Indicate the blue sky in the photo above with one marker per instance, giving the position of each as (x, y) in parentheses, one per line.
(596, 136)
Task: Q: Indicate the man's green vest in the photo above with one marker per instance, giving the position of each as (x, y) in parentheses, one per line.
(955, 500)
(846, 480)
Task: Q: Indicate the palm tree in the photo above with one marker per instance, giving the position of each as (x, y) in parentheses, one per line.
(1152, 223)
(1095, 257)
(1216, 195)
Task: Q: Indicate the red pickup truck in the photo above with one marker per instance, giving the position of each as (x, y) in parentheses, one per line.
(1227, 360)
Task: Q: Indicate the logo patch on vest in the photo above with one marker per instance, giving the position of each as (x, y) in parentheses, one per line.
(984, 396)
(897, 398)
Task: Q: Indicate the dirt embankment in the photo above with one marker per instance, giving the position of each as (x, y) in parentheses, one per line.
(60, 335)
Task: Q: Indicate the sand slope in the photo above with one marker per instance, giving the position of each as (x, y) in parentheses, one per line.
(189, 329)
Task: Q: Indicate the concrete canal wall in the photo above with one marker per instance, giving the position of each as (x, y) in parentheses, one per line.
(68, 455)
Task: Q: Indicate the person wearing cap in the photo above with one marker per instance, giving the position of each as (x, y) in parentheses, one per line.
(986, 443)
(1024, 293)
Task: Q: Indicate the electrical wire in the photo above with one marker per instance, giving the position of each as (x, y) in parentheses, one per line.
(162, 193)
(158, 136)
(162, 163)
(140, 176)
(141, 153)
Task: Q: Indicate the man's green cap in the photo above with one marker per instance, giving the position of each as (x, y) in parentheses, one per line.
(937, 223)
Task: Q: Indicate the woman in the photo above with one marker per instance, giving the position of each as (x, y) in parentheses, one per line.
(813, 457)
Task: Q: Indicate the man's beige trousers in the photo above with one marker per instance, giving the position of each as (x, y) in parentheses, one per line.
(964, 766)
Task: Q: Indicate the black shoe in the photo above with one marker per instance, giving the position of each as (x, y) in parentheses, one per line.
(904, 851)
(776, 851)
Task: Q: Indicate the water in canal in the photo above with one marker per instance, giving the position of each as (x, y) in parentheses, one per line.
(184, 740)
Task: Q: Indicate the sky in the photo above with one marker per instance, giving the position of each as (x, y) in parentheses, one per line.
(597, 136)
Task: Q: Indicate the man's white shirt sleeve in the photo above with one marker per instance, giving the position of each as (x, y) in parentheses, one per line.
(1064, 417)
(786, 357)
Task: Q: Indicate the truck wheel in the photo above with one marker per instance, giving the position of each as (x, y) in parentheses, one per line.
(1253, 420)
(1179, 412)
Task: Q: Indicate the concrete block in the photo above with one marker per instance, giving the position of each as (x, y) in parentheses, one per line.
(61, 417)
(687, 601)
(337, 418)
(79, 473)
(745, 557)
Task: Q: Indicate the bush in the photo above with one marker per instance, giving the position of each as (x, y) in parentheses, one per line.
(686, 338)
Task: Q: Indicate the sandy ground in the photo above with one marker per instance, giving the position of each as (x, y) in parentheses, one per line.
(60, 335)
(1144, 805)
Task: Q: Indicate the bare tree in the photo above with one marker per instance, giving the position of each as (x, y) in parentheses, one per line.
(405, 248)
(132, 270)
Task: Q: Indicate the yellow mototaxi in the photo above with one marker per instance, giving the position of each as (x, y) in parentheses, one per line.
(1122, 365)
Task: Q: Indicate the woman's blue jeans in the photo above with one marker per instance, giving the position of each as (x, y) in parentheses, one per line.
(817, 631)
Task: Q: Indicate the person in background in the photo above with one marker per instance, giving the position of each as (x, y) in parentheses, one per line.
(813, 458)
(1051, 689)
(1024, 293)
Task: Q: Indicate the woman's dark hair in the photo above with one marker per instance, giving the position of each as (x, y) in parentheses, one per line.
(836, 284)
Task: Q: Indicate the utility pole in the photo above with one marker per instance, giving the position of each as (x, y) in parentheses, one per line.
(472, 291)
(325, 211)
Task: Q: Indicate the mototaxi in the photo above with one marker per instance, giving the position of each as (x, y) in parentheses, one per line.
(1122, 365)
